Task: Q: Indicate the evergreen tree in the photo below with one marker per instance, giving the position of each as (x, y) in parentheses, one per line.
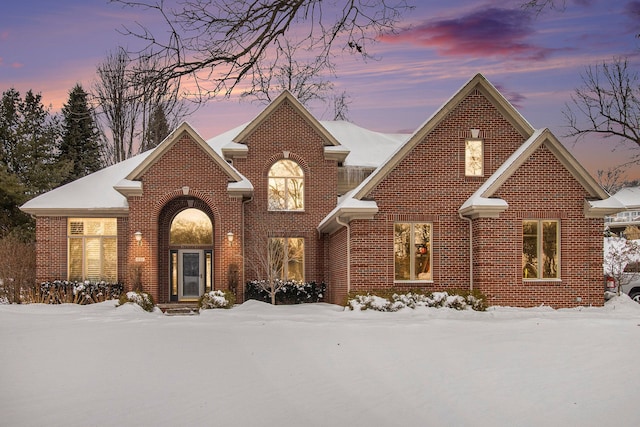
(80, 146)
(12, 195)
(9, 124)
(157, 129)
(29, 142)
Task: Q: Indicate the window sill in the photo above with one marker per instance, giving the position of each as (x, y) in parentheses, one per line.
(539, 281)
(411, 282)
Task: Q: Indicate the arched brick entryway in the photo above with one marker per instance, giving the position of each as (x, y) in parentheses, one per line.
(168, 253)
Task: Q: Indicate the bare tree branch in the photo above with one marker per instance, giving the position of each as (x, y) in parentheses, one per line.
(608, 104)
(216, 44)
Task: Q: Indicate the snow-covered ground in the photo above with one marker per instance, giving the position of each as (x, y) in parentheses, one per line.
(318, 365)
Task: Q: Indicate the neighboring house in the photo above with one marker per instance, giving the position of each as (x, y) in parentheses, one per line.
(476, 197)
(626, 223)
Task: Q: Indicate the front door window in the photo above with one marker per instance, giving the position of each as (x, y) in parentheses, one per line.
(190, 274)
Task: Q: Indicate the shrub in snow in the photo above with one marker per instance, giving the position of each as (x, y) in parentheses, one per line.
(143, 299)
(66, 291)
(619, 254)
(289, 292)
(390, 301)
(17, 268)
(217, 299)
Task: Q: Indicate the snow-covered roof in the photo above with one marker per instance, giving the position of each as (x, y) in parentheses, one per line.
(103, 192)
(366, 148)
(93, 194)
(629, 197)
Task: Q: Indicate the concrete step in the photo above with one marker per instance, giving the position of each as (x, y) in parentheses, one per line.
(179, 309)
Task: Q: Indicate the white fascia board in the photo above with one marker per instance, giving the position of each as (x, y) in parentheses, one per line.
(339, 153)
(483, 207)
(346, 212)
(128, 188)
(602, 208)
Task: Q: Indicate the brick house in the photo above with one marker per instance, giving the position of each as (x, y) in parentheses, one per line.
(475, 197)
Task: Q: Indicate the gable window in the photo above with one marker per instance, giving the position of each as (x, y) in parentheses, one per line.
(286, 186)
(540, 243)
(92, 249)
(286, 258)
(473, 158)
(412, 251)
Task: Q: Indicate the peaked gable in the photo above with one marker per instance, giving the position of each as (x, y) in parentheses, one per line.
(481, 204)
(333, 150)
(478, 82)
(238, 184)
(170, 141)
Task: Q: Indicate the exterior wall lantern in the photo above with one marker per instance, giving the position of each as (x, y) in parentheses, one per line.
(230, 237)
(138, 236)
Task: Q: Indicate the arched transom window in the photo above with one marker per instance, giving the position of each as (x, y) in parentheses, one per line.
(191, 227)
(286, 186)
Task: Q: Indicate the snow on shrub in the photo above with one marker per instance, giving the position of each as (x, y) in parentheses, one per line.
(393, 301)
(68, 291)
(289, 292)
(216, 299)
(142, 299)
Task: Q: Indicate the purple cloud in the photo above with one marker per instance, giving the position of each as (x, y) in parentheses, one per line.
(488, 32)
(515, 98)
(633, 8)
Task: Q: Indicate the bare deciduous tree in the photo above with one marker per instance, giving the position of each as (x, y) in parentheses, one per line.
(608, 104)
(304, 79)
(341, 106)
(265, 259)
(127, 93)
(540, 5)
(611, 179)
(219, 43)
(17, 267)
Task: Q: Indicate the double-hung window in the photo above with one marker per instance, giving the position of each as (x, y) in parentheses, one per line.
(92, 249)
(540, 249)
(412, 251)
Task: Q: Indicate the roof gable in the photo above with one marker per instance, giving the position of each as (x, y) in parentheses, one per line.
(170, 141)
(478, 82)
(287, 97)
(482, 204)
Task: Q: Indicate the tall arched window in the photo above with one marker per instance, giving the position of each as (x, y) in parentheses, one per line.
(286, 186)
(191, 227)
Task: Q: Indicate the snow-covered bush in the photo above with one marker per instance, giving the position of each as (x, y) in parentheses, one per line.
(289, 292)
(65, 291)
(390, 301)
(142, 299)
(619, 253)
(216, 299)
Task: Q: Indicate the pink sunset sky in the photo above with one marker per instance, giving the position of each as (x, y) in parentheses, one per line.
(534, 60)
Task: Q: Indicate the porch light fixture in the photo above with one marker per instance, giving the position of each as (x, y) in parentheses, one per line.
(230, 237)
(138, 236)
